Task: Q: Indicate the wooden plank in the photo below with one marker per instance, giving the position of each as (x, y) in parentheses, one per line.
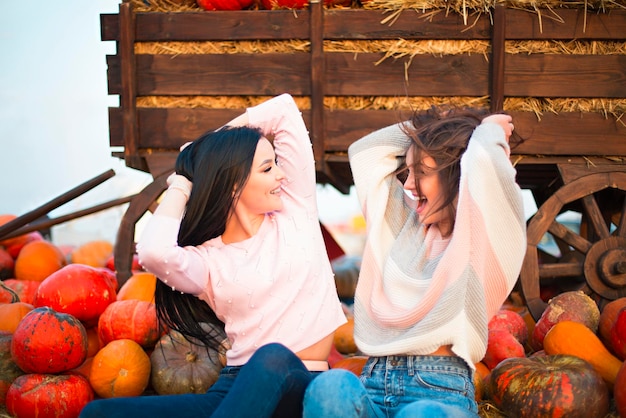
(555, 135)
(223, 26)
(565, 24)
(223, 74)
(574, 133)
(496, 85)
(317, 77)
(558, 24)
(355, 24)
(543, 75)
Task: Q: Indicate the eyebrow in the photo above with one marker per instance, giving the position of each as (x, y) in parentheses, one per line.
(268, 161)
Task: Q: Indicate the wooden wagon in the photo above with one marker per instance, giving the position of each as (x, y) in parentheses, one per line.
(571, 160)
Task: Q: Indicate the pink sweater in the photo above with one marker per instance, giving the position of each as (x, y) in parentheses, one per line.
(418, 291)
(276, 286)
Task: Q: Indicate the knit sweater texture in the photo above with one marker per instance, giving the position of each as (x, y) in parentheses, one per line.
(417, 290)
(278, 285)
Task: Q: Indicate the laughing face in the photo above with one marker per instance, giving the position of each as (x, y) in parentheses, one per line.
(261, 193)
(427, 192)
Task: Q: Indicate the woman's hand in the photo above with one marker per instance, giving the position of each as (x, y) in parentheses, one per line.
(505, 121)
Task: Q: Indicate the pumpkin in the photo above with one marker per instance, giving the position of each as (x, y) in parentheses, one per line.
(212, 5)
(133, 319)
(512, 322)
(141, 285)
(25, 289)
(608, 317)
(78, 290)
(47, 341)
(481, 375)
(7, 295)
(548, 386)
(354, 364)
(37, 260)
(180, 366)
(120, 368)
(12, 313)
(569, 306)
(93, 341)
(619, 391)
(84, 369)
(9, 371)
(7, 264)
(574, 338)
(93, 253)
(618, 335)
(501, 344)
(45, 395)
(14, 245)
(344, 338)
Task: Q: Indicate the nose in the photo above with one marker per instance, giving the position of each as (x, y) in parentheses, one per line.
(409, 183)
(280, 174)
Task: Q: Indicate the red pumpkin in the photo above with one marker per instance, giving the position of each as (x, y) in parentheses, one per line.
(47, 341)
(9, 371)
(569, 306)
(79, 290)
(25, 289)
(7, 264)
(131, 319)
(618, 335)
(548, 386)
(353, 364)
(7, 295)
(512, 322)
(212, 5)
(501, 344)
(48, 396)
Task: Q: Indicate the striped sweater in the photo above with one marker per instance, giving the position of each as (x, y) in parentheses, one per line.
(417, 290)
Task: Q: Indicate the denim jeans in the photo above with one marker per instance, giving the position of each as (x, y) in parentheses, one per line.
(271, 384)
(395, 386)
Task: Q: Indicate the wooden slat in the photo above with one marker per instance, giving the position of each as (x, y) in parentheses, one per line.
(539, 75)
(497, 67)
(561, 24)
(318, 78)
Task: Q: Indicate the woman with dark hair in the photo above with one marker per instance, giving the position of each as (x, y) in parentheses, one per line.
(445, 242)
(236, 243)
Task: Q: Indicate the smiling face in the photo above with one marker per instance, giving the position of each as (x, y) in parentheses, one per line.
(261, 193)
(426, 188)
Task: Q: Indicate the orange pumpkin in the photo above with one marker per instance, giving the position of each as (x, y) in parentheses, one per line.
(38, 260)
(608, 317)
(12, 313)
(141, 286)
(120, 368)
(93, 253)
(353, 363)
(133, 319)
(344, 338)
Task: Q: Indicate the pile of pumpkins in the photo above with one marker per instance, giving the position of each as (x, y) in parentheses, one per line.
(69, 334)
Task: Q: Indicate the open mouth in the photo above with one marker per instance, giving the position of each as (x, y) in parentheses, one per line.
(421, 203)
(276, 190)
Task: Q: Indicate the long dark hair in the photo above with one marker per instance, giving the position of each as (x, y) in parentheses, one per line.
(443, 134)
(218, 163)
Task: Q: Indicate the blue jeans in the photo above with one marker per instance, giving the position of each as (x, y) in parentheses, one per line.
(271, 384)
(395, 386)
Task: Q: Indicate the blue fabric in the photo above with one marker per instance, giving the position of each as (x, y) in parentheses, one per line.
(395, 386)
(271, 384)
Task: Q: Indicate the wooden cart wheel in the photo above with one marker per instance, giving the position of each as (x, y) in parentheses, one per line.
(594, 259)
(124, 250)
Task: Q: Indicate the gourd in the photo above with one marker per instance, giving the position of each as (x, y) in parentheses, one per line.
(608, 317)
(574, 338)
(25, 290)
(46, 395)
(120, 368)
(354, 364)
(93, 253)
(47, 341)
(180, 366)
(78, 290)
(141, 285)
(548, 386)
(37, 260)
(344, 338)
(133, 319)
(12, 313)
